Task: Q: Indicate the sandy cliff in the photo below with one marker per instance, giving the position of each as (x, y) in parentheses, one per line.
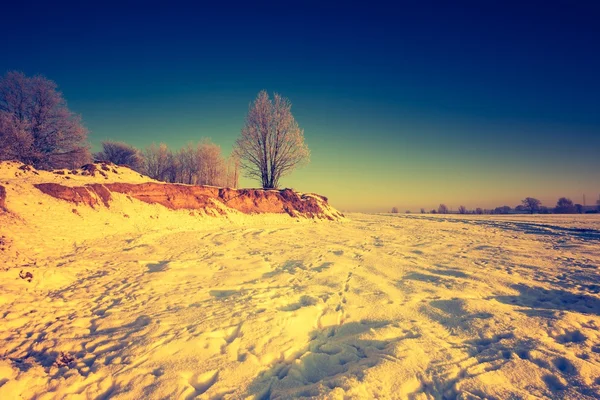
(2, 198)
(41, 211)
(205, 198)
(95, 185)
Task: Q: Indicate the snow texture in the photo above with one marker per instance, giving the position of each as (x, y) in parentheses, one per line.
(141, 301)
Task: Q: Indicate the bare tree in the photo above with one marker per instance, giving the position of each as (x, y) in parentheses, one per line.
(193, 164)
(502, 210)
(159, 163)
(478, 210)
(186, 162)
(212, 165)
(530, 204)
(232, 174)
(394, 210)
(443, 209)
(565, 206)
(422, 211)
(15, 140)
(36, 125)
(271, 144)
(462, 210)
(120, 153)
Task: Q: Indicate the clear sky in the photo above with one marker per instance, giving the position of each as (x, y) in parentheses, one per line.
(477, 103)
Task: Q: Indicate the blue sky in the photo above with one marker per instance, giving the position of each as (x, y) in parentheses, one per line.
(474, 103)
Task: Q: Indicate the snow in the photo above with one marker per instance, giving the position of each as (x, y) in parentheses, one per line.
(164, 304)
(19, 173)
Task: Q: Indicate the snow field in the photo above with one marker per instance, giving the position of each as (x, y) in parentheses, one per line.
(377, 306)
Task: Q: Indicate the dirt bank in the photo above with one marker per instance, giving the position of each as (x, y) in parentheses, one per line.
(207, 198)
(2, 198)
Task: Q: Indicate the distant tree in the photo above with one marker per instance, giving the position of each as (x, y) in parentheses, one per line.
(598, 204)
(121, 154)
(187, 164)
(579, 208)
(462, 210)
(520, 208)
(434, 211)
(394, 210)
(232, 173)
(159, 163)
(478, 211)
(422, 211)
(193, 164)
(565, 206)
(200, 164)
(37, 127)
(407, 212)
(443, 209)
(502, 210)
(531, 205)
(212, 164)
(271, 144)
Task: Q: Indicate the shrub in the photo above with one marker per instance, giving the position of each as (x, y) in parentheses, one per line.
(120, 153)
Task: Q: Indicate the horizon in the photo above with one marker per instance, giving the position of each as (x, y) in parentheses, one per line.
(138, 262)
(479, 106)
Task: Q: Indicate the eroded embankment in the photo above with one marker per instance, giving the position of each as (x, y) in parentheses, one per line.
(177, 197)
(2, 198)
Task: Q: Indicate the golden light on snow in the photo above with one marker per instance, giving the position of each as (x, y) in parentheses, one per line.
(164, 304)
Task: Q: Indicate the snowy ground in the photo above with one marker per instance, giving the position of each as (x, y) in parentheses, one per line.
(404, 306)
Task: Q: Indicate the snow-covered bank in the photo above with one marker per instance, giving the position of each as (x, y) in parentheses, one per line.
(378, 306)
(42, 212)
(94, 185)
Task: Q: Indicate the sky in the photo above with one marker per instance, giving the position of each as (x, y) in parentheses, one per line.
(464, 103)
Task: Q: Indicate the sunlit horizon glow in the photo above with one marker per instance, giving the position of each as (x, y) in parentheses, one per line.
(410, 108)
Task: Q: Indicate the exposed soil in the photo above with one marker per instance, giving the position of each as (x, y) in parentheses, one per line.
(2, 198)
(177, 197)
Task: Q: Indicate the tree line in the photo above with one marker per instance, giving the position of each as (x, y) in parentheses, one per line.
(37, 128)
(194, 164)
(529, 205)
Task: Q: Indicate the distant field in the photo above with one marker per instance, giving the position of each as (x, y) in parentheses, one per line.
(381, 306)
(584, 221)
